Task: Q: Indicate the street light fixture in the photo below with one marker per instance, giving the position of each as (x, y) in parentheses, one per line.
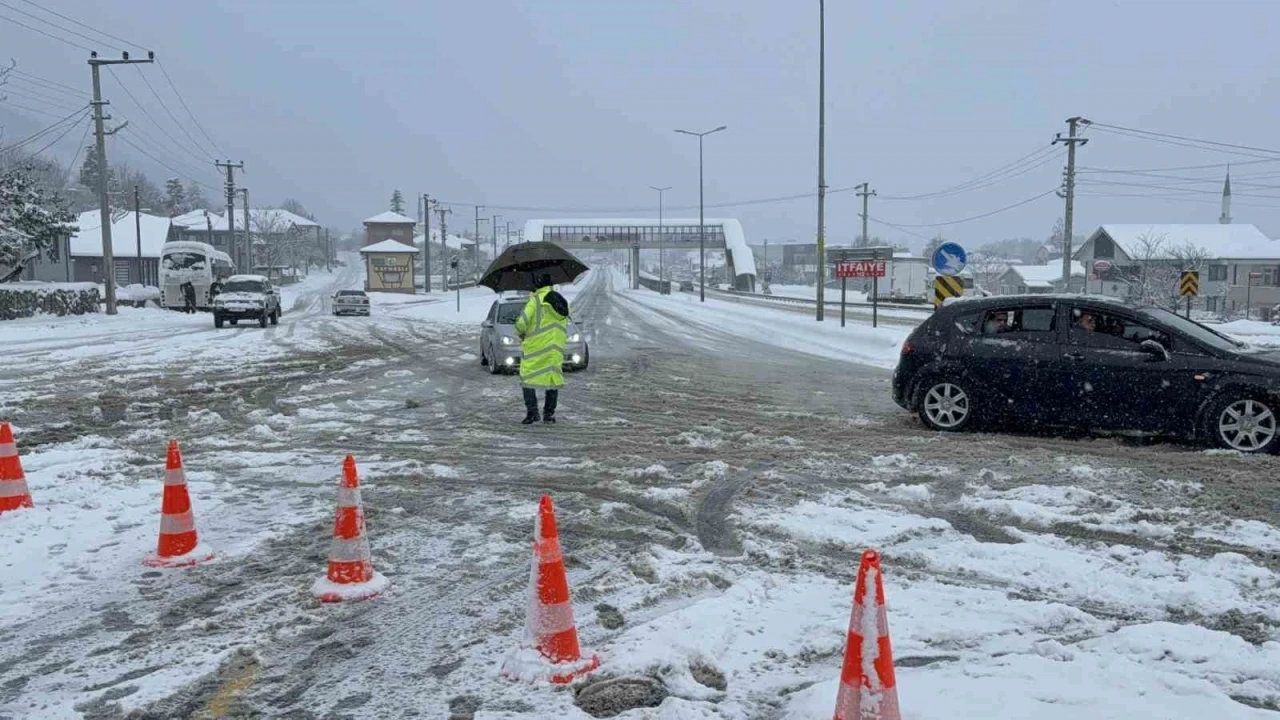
(662, 239)
(702, 228)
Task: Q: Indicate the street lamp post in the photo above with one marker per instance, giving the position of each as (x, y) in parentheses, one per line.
(702, 228)
(662, 239)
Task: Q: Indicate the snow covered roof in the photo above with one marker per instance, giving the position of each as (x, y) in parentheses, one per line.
(389, 246)
(455, 241)
(389, 217)
(1236, 241)
(744, 262)
(195, 219)
(1047, 274)
(87, 241)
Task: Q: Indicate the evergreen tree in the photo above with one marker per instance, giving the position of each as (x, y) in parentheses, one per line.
(196, 199)
(175, 197)
(397, 202)
(33, 219)
(90, 173)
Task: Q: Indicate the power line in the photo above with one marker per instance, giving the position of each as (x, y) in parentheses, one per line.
(19, 23)
(41, 133)
(1024, 164)
(79, 149)
(902, 226)
(47, 87)
(1185, 138)
(152, 120)
(1167, 141)
(1179, 167)
(181, 127)
(37, 18)
(37, 111)
(64, 133)
(192, 115)
(89, 27)
(163, 164)
(55, 103)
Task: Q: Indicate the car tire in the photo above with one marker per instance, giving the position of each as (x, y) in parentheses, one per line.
(484, 358)
(233, 321)
(217, 321)
(262, 320)
(1246, 422)
(275, 318)
(494, 367)
(586, 358)
(946, 404)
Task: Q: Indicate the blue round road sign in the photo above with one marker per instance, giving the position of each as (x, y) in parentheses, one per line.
(950, 259)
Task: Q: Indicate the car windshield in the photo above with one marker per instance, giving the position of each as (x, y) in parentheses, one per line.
(350, 293)
(509, 313)
(184, 261)
(245, 286)
(1199, 332)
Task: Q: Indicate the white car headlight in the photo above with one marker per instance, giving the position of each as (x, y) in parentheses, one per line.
(576, 337)
(508, 340)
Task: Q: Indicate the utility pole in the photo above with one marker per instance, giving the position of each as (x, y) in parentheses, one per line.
(104, 201)
(506, 242)
(441, 210)
(493, 226)
(231, 167)
(865, 193)
(475, 249)
(426, 243)
(328, 251)
(1070, 141)
(137, 231)
(822, 146)
(248, 234)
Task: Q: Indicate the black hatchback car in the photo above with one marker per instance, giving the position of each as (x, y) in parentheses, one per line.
(1090, 363)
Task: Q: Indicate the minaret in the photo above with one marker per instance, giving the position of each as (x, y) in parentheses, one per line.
(1226, 200)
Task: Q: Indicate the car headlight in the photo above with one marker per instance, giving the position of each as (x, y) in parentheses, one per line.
(508, 340)
(576, 337)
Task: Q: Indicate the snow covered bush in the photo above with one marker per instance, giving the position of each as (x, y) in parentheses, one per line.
(19, 300)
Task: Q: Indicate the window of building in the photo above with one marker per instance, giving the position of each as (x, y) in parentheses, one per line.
(1271, 277)
(1103, 247)
(1217, 273)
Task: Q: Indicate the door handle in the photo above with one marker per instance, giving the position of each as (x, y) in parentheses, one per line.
(1078, 357)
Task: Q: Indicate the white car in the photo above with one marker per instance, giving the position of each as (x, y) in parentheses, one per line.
(350, 302)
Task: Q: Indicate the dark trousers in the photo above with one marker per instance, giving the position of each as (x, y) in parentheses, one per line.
(531, 401)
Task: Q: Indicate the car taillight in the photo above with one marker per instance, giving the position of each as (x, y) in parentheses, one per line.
(906, 348)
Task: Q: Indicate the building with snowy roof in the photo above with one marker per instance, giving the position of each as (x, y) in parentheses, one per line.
(1238, 264)
(639, 234)
(267, 226)
(389, 226)
(389, 266)
(1023, 279)
(136, 240)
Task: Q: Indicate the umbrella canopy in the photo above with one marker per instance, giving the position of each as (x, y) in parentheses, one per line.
(519, 266)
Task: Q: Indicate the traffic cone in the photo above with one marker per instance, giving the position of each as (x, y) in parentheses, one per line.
(351, 575)
(13, 484)
(179, 544)
(550, 628)
(867, 684)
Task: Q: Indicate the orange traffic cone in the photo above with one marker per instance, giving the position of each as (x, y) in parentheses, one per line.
(351, 575)
(179, 544)
(550, 628)
(867, 684)
(13, 484)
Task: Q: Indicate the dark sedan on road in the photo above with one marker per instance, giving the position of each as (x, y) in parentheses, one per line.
(1089, 363)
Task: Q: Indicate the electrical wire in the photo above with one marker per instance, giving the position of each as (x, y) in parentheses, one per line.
(1020, 203)
(45, 87)
(1104, 126)
(63, 134)
(153, 121)
(79, 149)
(181, 127)
(49, 35)
(41, 133)
(88, 27)
(190, 114)
(1177, 168)
(55, 103)
(1022, 165)
(1166, 141)
(163, 164)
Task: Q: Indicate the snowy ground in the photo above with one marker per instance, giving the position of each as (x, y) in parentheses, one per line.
(717, 472)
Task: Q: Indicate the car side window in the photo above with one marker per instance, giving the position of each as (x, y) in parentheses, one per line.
(1111, 330)
(1035, 323)
(493, 313)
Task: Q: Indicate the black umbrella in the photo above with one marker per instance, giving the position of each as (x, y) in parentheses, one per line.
(520, 266)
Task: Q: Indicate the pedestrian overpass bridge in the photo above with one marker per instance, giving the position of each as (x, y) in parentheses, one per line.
(636, 234)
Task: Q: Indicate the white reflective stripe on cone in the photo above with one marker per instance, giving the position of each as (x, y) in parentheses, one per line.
(8, 449)
(176, 476)
(352, 550)
(554, 619)
(179, 523)
(348, 497)
(548, 551)
(856, 703)
(13, 488)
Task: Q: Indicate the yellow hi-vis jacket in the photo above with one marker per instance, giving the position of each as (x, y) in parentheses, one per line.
(543, 333)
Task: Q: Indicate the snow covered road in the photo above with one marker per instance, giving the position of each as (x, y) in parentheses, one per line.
(716, 474)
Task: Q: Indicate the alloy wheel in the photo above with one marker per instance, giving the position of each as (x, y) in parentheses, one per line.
(1247, 425)
(946, 405)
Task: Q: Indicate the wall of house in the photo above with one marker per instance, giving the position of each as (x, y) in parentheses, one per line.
(377, 232)
(389, 272)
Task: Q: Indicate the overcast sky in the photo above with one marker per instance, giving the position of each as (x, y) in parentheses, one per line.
(571, 104)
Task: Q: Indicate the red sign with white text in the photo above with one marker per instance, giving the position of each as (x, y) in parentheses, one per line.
(860, 269)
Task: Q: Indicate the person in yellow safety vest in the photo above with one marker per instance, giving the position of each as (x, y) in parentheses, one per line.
(542, 327)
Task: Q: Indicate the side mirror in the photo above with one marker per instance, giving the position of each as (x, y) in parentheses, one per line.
(1154, 349)
(486, 324)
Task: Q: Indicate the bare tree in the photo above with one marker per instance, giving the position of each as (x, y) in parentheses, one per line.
(272, 241)
(1160, 266)
(986, 269)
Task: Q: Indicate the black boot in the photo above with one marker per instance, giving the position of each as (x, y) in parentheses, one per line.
(530, 406)
(549, 413)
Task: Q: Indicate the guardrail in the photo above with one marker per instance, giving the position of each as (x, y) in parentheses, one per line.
(921, 308)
